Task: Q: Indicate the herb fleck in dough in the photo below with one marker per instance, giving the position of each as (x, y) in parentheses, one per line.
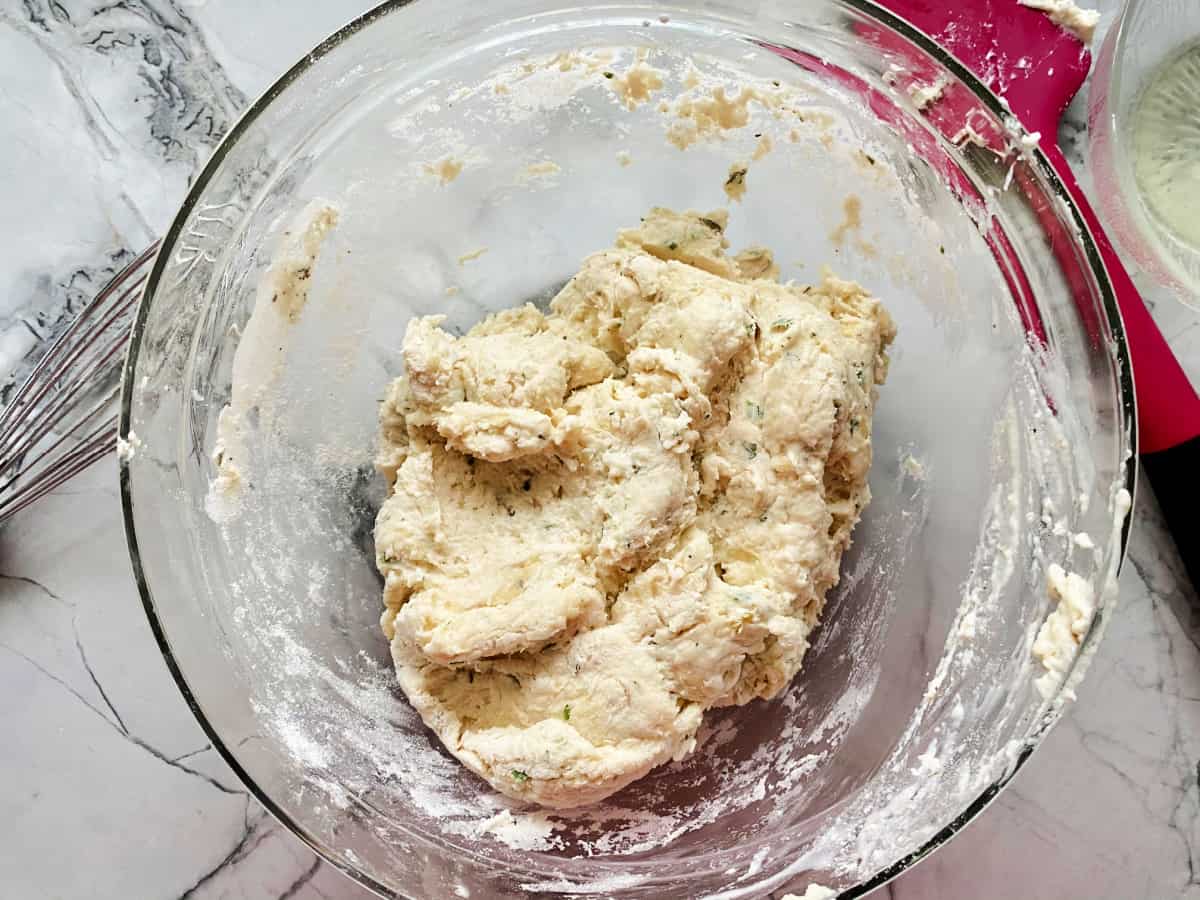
(609, 518)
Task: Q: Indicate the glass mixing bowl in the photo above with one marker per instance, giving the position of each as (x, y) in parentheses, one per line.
(1001, 440)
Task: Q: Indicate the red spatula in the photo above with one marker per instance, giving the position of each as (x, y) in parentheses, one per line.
(1038, 67)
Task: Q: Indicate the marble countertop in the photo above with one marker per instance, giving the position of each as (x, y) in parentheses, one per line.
(109, 787)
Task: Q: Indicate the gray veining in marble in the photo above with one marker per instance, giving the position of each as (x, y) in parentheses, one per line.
(108, 788)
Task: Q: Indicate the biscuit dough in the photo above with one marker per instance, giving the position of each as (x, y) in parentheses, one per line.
(605, 519)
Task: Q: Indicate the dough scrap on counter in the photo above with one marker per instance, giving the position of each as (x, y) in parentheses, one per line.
(608, 518)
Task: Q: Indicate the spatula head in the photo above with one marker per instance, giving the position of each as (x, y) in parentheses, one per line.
(1018, 52)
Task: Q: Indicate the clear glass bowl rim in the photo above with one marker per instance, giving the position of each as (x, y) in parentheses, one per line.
(882, 17)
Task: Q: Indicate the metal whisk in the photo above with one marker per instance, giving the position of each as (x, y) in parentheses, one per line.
(64, 417)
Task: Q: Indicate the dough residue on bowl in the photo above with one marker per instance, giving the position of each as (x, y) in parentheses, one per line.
(735, 181)
(813, 892)
(635, 86)
(445, 170)
(608, 518)
(1059, 637)
(1066, 14)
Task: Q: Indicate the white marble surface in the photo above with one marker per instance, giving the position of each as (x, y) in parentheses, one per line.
(107, 785)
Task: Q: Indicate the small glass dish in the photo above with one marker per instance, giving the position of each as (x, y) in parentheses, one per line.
(1144, 139)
